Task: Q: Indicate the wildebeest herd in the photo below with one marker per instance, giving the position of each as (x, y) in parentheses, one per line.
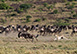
(40, 29)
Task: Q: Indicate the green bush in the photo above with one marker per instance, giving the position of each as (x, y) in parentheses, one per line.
(19, 10)
(65, 0)
(3, 20)
(50, 7)
(73, 3)
(28, 20)
(68, 3)
(12, 19)
(71, 7)
(55, 11)
(40, 8)
(4, 6)
(45, 4)
(72, 11)
(75, 15)
(25, 6)
(3, 0)
(37, 20)
(28, 16)
(67, 20)
(71, 0)
(43, 19)
(13, 14)
(14, 0)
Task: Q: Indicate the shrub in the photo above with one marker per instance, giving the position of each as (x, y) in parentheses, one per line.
(59, 45)
(4, 6)
(68, 3)
(12, 19)
(65, 0)
(3, 20)
(73, 3)
(3, 0)
(67, 20)
(14, 0)
(55, 11)
(75, 15)
(19, 10)
(43, 19)
(27, 20)
(28, 16)
(13, 14)
(25, 6)
(71, 7)
(40, 8)
(50, 7)
(37, 20)
(71, 0)
(72, 11)
(45, 4)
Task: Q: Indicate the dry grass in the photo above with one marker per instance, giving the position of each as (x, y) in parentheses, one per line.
(35, 13)
(45, 45)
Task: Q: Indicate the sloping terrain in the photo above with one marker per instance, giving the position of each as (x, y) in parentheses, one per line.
(37, 11)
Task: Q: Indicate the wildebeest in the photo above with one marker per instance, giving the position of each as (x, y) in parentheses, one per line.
(74, 29)
(18, 28)
(27, 35)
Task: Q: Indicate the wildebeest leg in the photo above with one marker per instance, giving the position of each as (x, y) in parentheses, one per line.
(72, 33)
(32, 39)
(6, 33)
(44, 33)
(36, 39)
(27, 40)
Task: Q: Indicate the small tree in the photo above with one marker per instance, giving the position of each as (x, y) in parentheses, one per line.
(55, 11)
(27, 20)
(72, 11)
(75, 15)
(68, 3)
(3, 0)
(65, 0)
(71, 0)
(28, 16)
(67, 20)
(71, 7)
(37, 20)
(4, 6)
(25, 6)
(50, 7)
(45, 4)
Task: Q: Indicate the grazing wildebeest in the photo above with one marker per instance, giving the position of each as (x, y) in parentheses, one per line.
(74, 29)
(19, 28)
(13, 28)
(27, 35)
(32, 27)
(7, 29)
(2, 29)
(37, 27)
(42, 30)
(25, 28)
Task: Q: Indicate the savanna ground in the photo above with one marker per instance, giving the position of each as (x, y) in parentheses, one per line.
(42, 11)
(11, 44)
